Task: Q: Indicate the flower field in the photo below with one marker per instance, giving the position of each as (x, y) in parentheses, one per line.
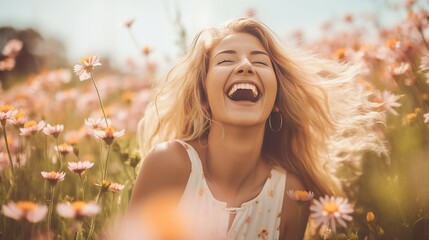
(69, 155)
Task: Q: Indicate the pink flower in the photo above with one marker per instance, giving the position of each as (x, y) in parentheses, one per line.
(53, 177)
(300, 196)
(86, 66)
(53, 130)
(80, 166)
(25, 210)
(64, 149)
(77, 209)
(426, 116)
(7, 64)
(331, 210)
(424, 63)
(128, 23)
(115, 187)
(6, 113)
(401, 69)
(92, 124)
(18, 119)
(389, 102)
(109, 134)
(31, 127)
(12, 48)
(59, 76)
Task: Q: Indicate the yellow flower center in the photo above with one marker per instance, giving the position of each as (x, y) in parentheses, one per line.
(109, 131)
(410, 117)
(330, 207)
(128, 96)
(391, 43)
(301, 195)
(370, 216)
(340, 53)
(5, 108)
(106, 183)
(26, 205)
(30, 124)
(84, 59)
(146, 50)
(72, 140)
(53, 173)
(19, 115)
(78, 205)
(418, 110)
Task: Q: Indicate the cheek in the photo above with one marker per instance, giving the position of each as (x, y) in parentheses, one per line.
(271, 87)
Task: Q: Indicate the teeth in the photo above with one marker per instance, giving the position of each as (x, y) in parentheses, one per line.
(237, 86)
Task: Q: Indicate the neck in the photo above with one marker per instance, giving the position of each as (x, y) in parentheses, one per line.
(234, 155)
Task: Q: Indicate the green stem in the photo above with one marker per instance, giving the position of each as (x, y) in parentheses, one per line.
(59, 155)
(133, 38)
(423, 38)
(51, 208)
(92, 227)
(99, 99)
(76, 234)
(101, 153)
(299, 223)
(83, 187)
(7, 148)
(107, 160)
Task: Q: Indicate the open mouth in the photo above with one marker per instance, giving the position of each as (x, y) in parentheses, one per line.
(243, 92)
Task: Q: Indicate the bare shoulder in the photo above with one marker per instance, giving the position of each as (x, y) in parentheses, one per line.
(166, 167)
(291, 211)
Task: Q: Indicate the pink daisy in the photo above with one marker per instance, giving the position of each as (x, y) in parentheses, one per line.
(426, 116)
(331, 210)
(6, 113)
(12, 48)
(109, 134)
(18, 119)
(390, 101)
(77, 209)
(31, 127)
(53, 177)
(25, 210)
(53, 130)
(86, 66)
(115, 187)
(300, 196)
(80, 166)
(64, 149)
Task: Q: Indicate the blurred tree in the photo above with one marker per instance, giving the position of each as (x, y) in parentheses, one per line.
(37, 54)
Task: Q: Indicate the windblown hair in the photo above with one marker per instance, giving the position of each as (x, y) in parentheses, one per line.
(328, 120)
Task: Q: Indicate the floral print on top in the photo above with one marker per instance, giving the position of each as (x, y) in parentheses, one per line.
(208, 218)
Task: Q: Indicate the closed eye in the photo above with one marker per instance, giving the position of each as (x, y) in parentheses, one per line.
(224, 61)
(262, 63)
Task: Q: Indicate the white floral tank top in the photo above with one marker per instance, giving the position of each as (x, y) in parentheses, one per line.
(208, 217)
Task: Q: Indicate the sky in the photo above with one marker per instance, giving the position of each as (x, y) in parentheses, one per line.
(95, 26)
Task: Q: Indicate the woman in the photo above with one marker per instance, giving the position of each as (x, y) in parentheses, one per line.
(238, 122)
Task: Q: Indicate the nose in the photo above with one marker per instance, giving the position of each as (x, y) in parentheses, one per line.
(245, 67)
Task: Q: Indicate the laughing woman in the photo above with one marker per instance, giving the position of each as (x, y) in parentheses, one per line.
(238, 122)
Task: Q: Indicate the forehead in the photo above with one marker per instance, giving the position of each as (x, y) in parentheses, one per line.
(240, 42)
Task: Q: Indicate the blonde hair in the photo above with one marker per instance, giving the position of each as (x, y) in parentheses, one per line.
(327, 118)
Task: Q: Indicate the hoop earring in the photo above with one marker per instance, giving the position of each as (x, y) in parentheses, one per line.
(281, 123)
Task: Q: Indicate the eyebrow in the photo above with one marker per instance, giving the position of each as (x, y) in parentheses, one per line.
(254, 52)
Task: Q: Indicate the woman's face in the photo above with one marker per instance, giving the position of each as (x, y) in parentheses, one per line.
(241, 84)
